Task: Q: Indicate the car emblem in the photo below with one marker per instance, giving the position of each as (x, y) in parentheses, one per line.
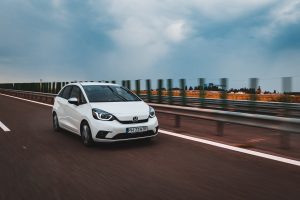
(135, 119)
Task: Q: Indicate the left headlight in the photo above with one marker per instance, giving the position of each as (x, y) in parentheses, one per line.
(102, 115)
(151, 112)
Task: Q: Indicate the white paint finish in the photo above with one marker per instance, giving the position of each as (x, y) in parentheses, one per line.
(4, 128)
(237, 149)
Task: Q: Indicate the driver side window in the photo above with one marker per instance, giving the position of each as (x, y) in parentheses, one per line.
(77, 93)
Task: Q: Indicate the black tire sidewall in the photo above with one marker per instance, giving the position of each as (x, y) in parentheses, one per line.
(55, 118)
(90, 141)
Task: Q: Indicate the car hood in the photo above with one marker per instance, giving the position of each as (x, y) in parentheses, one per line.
(124, 110)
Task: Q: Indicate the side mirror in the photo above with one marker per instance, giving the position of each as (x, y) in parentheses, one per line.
(73, 100)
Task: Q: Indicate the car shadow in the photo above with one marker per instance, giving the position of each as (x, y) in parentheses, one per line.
(140, 143)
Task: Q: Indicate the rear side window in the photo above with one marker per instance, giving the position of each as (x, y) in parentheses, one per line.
(66, 92)
(61, 92)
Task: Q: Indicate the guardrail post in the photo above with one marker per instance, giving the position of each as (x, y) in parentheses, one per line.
(149, 92)
(44, 87)
(159, 90)
(286, 88)
(128, 84)
(253, 96)
(53, 88)
(58, 87)
(224, 93)
(183, 92)
(170, 91)
(177, 121)
(137, 87)
(220, 128)
(48, 87)
(284, 135)
(123, 83)
(202, 92)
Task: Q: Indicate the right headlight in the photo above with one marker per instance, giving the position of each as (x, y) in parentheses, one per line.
(151, 112)
(102, 115)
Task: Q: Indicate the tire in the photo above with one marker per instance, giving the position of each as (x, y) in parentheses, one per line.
(86, 135)
(56, 127)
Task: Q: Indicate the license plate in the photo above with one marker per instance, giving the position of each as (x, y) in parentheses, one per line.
(137, 129)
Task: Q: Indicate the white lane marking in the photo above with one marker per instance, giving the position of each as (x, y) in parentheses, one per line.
(208, 142)
(225, 146)
(4, 127)
(45, 104)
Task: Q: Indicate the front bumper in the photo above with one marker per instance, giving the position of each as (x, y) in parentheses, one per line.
(112, 131)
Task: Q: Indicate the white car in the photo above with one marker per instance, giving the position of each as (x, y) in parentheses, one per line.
(103, 112)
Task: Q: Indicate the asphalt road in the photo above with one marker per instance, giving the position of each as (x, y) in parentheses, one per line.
(38, 163)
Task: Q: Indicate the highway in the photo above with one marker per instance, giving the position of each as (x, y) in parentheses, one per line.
(38, 163)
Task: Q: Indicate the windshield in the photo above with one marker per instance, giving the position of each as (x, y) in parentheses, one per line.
(109, 93)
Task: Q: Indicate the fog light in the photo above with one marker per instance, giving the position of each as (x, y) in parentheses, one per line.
(102, 134)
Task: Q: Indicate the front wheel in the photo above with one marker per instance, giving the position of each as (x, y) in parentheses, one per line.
(55, 123)
(86, 135)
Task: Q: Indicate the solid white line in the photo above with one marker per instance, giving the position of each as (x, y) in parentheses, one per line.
(225, 146)
(4, 127)
(45, 104)
(208, 142)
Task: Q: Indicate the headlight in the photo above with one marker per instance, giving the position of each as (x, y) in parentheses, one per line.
(102, 115)
(151, 112)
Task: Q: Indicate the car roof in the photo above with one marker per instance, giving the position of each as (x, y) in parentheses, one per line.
(92, 83)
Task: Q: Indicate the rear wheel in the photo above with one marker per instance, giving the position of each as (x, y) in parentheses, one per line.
(86, 135)
(55, 123)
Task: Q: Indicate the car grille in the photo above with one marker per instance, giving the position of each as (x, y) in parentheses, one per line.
(132, 122)
(133, 135)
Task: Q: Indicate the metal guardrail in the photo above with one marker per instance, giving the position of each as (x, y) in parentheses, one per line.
(37, 96)
(245, 106)
(283, 124)
(255, 120)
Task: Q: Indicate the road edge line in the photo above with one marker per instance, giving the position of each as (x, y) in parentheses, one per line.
(3, 127)
(232, 148)
(45, 104)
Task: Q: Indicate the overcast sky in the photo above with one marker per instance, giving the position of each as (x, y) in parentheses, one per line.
(139, 39)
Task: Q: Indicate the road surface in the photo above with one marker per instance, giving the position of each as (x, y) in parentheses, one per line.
(38, 163)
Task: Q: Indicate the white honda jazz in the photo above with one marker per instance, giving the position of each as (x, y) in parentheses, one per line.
(103, 112)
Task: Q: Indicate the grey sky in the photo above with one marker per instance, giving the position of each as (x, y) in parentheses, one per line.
(132, 39)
